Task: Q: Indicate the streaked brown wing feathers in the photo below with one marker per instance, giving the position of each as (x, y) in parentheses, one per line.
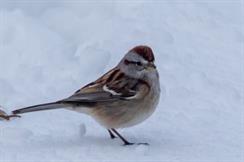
(114, 81)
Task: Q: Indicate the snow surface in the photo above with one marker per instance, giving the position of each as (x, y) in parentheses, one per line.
(49, 49)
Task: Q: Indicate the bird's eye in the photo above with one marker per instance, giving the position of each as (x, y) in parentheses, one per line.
(138, 63)
(127, 62)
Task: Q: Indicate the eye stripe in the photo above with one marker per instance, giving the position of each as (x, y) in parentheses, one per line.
(132, 62)
(126, 62)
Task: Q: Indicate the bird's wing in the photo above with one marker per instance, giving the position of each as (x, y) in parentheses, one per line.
(112, 86)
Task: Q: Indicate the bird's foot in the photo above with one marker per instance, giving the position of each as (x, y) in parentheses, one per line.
(113, 137)
(129, 144)
(146, 144)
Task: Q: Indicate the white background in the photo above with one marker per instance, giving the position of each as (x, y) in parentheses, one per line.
(49, 49)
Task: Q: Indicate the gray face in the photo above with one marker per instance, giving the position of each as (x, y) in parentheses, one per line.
(136, 66)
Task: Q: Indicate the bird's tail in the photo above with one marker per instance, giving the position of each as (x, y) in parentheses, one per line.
(46, 106)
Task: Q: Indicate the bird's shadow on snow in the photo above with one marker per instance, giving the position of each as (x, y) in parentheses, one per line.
(69, 142)
(46, 142)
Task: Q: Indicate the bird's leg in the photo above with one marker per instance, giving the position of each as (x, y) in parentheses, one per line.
(7, 117)
(125, 141)
(122, 138)
(112, 136)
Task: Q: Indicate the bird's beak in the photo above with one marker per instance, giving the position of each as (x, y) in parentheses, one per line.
(151, 66)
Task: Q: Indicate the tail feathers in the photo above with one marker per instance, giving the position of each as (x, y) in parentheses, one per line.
(47, 106)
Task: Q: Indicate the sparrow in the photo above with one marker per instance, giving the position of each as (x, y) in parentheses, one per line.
(123, 97)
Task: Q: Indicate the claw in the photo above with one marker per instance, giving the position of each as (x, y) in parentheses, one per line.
(146, 144)
(129, 144)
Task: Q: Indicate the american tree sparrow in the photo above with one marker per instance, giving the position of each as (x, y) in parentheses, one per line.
(123, 97)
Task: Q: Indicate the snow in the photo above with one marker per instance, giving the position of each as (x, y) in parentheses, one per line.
(49, 49)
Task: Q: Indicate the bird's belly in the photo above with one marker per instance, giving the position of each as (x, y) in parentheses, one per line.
(138, 117)
(123, 113)
(124, 116)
